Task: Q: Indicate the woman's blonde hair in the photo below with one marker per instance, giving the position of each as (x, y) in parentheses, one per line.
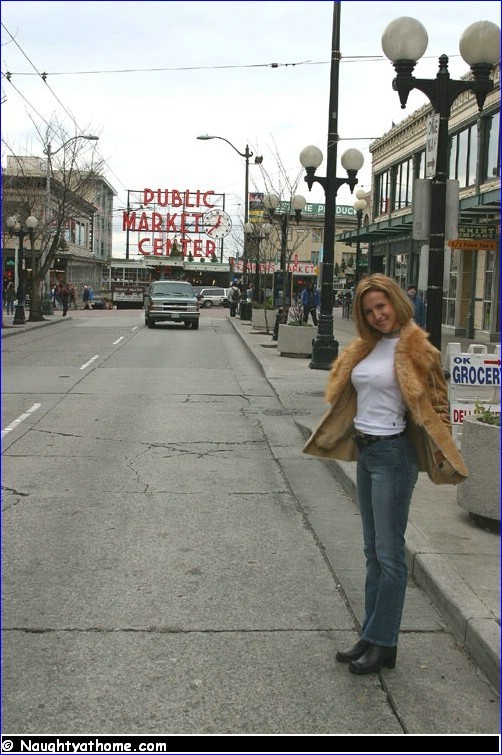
(400, 302)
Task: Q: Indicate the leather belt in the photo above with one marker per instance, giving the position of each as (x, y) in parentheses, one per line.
(364, 439)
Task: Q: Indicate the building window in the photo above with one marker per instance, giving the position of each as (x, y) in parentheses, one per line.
(491, 166)
(463, 156)
(403, 191)
(488, 289)
(383, 193)
(400, 272)
(450, 293)
(421, 164)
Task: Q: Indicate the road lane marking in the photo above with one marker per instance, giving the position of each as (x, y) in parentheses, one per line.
(118, 340)
(96, 356)
(20, 419)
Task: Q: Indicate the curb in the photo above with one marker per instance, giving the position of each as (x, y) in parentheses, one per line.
(13, 330)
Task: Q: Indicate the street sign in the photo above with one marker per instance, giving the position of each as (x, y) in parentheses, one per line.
(473, 245)
(431, 145)
(474, 232)
(475, 369)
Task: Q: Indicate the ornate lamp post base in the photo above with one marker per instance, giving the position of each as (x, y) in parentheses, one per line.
(15, 229)
(19, 315)
(324, 352)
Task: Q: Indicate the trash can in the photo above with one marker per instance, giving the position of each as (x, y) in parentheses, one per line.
(281, 318)
(246, 310)
(47, 305)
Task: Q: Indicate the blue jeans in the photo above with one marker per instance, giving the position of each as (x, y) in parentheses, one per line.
(387, 471)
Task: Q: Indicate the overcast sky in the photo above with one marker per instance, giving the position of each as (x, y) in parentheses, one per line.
(214, 75)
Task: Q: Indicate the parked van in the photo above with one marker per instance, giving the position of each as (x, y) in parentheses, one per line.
(211, 296)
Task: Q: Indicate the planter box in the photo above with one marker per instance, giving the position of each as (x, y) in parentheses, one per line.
(258, 318)
(296, 340)
(480, 493)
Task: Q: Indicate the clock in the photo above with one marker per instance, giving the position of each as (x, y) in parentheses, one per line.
(217, 224)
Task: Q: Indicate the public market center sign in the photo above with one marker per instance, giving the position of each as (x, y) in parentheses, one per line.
(180, 223)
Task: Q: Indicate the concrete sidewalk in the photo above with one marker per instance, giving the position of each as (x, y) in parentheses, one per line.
(455, 562)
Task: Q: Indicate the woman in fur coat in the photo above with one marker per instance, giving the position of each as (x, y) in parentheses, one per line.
(390, 412)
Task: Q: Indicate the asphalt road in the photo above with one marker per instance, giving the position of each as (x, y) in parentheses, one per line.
(164, 565)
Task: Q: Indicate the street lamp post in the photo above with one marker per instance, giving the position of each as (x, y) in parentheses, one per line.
(129, 207)
(16, 229)
(324, 346)
(296, 204)
(404, 41)
(245, 307)
(254, 236)
(359, 206)
(47, 307)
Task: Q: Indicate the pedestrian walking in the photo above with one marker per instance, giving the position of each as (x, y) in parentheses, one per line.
(64, 295)
(234, 296)
(310, 302)
(10, 297)
(418, 305)
(57, 296)
(86, 297)
(389, 411)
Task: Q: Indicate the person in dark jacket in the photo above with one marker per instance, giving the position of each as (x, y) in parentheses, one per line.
(234, 296)
(10, 297)
(418, 305)
(86, 297)
(310, 302)
(64, 294)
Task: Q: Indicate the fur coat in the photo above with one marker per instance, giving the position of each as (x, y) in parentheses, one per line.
(423, 387)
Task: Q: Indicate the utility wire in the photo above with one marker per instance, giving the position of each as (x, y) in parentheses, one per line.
(348, 59)
(44, 77)
(28, 102)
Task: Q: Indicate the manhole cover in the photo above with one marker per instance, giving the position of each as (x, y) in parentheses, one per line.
(285, 412)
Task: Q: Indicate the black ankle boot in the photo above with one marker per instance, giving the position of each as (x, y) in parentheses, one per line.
(374, 659)
(353, 653)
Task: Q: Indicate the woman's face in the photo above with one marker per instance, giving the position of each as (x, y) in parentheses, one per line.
(379, 312)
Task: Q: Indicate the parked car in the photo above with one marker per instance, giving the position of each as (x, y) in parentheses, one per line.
(211, 296)
(99, 302)
(171, 301)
